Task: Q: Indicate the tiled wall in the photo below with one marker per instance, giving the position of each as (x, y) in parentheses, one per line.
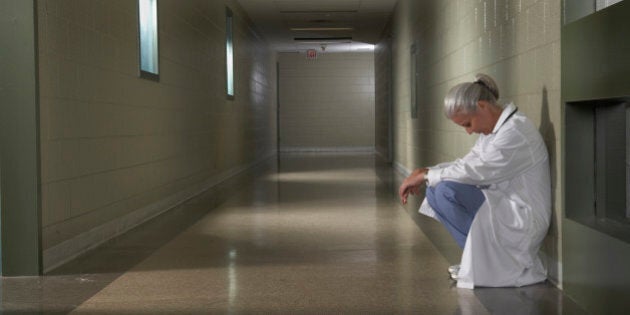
(326, 103)
(116, 146)
(515, 41)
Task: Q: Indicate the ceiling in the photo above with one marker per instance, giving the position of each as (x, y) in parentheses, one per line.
(333, 25)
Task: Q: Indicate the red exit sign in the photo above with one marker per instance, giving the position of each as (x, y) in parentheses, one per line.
(311, 54)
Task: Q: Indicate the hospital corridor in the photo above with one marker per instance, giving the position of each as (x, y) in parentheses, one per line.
(309, 234)
(246, 156)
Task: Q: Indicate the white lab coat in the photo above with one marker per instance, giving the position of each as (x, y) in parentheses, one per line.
(505, 235)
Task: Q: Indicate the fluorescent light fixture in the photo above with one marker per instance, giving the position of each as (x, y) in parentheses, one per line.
(320, 12)
(325, 40)
(322, 29)
(361, 46)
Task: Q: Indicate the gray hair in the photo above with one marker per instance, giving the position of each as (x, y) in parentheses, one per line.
(464, 96)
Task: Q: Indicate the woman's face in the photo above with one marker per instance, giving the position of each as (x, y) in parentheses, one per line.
(481, 121)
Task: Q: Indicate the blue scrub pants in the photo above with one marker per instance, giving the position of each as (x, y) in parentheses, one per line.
(455, 205)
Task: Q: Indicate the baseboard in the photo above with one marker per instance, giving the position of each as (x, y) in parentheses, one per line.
(84, 242)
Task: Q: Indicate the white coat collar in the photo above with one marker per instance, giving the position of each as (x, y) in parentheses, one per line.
(508, 111)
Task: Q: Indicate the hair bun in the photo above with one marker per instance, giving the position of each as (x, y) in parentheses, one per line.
(488, 82)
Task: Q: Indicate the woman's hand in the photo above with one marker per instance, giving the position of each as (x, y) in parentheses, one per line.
(411, 184)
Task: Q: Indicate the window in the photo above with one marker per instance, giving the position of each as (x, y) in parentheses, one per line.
(574, 10)
(414, 82)
(229, 54)
(602, 4)
(148, 35)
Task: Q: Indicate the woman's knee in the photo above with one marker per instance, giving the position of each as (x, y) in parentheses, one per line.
(446, 189)
(458, 193)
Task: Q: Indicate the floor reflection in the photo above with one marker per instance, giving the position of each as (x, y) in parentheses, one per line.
(542, 298)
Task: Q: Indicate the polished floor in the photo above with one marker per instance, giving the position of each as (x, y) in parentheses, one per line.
(306, 234)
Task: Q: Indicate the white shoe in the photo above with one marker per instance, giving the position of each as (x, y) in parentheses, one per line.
(453, 272)
(454, 268)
